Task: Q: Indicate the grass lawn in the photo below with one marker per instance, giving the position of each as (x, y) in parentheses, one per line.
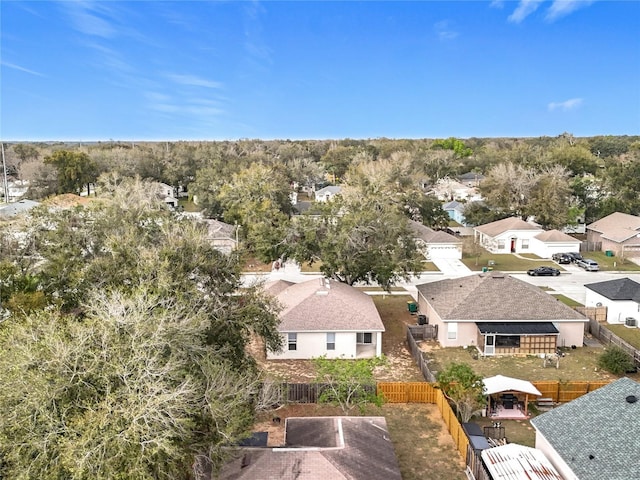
(630, 335)
(506, 262)
(188, 205)
(612, 263)
(568, 301)
(578, 365)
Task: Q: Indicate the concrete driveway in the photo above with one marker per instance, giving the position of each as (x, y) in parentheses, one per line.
(451, 267)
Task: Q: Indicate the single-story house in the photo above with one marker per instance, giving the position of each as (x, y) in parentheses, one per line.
(325, 317)
(436, 244)
(618, 232)
(517, 462)
(327, 193)
(547, 243)
(455, 211)
(321, 448)
(222, 236)
(509, 235)
(499, 315)
(621, 297)
(595, 436)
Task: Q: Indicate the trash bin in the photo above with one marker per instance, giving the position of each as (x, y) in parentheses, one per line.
(484, 269)
(609, 253)
(412, 307)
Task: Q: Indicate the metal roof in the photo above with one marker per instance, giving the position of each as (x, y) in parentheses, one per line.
(517, 462)
(518, 328)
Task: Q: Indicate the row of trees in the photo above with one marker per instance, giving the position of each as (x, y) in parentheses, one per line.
(124, 355)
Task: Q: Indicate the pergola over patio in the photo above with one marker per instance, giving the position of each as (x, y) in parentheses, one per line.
(506, 385)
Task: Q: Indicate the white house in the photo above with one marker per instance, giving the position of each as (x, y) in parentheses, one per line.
(509, 235)
(547, 243)
(621, 297)
(448, 189)
(594, 437)
(325, 317)
(436, 244)
(327, 193)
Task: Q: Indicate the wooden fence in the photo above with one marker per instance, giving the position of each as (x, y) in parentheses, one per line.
(566, 391)
(418, 356)
(608, 337)
(598, 314)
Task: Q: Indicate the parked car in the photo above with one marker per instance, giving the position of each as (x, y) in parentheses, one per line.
(588, 264)
(575, 256)
(561, 258)
(543, 271)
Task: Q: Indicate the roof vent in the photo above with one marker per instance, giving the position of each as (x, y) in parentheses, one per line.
(631, 399)
(591, 457)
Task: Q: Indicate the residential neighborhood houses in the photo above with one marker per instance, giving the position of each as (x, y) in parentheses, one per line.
(489, 312)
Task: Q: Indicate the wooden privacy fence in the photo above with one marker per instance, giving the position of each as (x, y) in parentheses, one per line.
(309, 392)
(418, 356)
(608, 337)
(597, 314)
(566, 391)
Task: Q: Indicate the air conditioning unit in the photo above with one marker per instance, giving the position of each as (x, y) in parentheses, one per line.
(630, 322)
(423, 320)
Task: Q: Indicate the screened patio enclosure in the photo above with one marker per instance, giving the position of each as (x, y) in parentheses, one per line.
(517, 338)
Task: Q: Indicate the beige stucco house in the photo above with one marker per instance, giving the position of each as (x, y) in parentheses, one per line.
(325, 317)
(509, 235)
(618, 232)
(499, 315)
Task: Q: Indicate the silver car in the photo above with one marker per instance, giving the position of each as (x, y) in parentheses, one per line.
(588, 264)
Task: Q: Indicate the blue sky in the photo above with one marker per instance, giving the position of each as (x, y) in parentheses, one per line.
(144, 70)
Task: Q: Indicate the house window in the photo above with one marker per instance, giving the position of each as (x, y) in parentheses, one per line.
(331, 341)
(510, 341)
(501, 244)
(525, 243)
(293, 341)
(364, 337)
(452, 331)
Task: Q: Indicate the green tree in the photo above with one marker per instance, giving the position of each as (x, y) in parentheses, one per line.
(550, 198)
(615, 360)
(479, 213)
(348, 383)
(457, 146)
(131, 391)
(359, 240)
(75, 169)
(464, 388)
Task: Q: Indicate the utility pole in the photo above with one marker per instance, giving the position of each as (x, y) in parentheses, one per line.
(4, 176)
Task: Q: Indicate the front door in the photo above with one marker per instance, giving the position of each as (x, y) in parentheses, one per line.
(490, 345)
(513, 245)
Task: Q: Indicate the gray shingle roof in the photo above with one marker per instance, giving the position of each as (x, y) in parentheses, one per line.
(556, 236)
(601, 424)
(311, 306)
(506, 224)
(618, 289)
(494, 296)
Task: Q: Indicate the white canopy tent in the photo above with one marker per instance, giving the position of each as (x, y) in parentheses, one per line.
(501, 384)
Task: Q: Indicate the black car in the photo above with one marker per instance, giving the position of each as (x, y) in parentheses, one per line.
(561, 258)
(575, 256)
(543, 271)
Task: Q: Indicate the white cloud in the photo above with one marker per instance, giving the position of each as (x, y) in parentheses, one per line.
(85, 19)
(22, 69)
(193, 81)
(565, 106)
(561, 8)
(524, 9)
(444, 31)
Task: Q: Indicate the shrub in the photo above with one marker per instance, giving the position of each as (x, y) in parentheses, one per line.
(616, 360)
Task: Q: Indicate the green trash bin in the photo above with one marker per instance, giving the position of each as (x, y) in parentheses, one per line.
(609, 253)
(484, 269)
(412, 307)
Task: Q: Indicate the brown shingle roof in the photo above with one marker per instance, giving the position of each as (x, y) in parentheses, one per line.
(311, 306)
(500, 226)
(555, 236)
(495, 296)
(429, 235)
(617, 226)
